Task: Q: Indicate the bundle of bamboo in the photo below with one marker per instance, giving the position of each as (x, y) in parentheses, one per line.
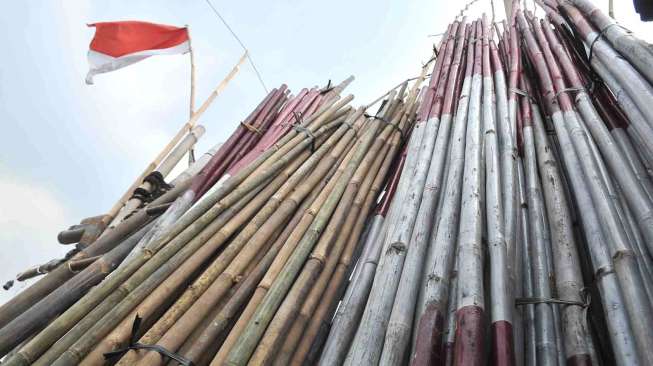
(559, 204)
(507, 192)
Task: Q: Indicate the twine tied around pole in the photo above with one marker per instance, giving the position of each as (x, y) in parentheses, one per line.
(393, 125)
(601, 35)
(297, 126)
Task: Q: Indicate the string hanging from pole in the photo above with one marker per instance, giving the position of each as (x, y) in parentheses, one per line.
(249, 58)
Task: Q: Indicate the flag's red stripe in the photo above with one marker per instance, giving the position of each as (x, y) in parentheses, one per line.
(122, 38)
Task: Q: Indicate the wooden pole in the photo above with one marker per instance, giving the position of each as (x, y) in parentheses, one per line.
(191, 152)
(181, 133)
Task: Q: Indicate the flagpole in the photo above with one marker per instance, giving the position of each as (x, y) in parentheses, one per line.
(181, 133)
(191, 152)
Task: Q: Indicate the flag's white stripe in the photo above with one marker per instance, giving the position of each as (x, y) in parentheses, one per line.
(101, 63)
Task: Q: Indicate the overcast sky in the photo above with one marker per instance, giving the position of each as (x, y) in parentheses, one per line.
(68, 150)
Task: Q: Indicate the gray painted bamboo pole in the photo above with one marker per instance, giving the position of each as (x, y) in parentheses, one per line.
(637, 197)
(621, 331)
(633, 49)
(440, 255)
(530, 341)
(547, 351)
(469, 345)
(397, 337)
(568, 278)
(639, 307)
(630, 79)
(501, 303)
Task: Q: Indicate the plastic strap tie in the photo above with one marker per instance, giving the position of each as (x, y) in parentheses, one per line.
(133, 344)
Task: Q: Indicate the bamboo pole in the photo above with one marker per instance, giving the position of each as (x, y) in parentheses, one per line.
(619, 245)
(264, 313)
(368, 342)
(432, 304)
(191, 105)
(469, 346)
(397, 337)
(182, 131)
(261, 235)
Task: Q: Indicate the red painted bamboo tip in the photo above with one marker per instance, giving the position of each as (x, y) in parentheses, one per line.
(579, 360)
(428, 343)
(469, 344)
(503, 352)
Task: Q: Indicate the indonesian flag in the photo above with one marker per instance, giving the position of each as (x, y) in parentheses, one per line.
(119, 44)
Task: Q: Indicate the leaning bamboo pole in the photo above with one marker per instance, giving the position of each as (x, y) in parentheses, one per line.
(84, 345)
(345, 187)
(397, 337)
(432, 308)
(634, 50)
(368, 343)
(189, 225)
(164, 168)
(258, 233)
(180, 134)
(469, 346)
(620, 250)
(545, 336)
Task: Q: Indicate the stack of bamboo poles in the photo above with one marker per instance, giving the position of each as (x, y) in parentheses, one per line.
(525, 191)
(469, 221)
(222, 277)
(67, 281)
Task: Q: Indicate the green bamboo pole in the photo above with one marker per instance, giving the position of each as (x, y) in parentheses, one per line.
(227, 315)
(316, 319)
(240, 252)
(268, 164)
(242, 351)
(303, 142)
(278, 263)
(343, 233)
(154, 300)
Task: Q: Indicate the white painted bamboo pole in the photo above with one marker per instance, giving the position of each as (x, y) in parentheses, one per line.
(397, 337)
(432, 306)
(469, 346)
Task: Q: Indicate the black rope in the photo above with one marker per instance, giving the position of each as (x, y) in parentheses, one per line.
(393, 125)
(133, 344)
(158, 187)
(298, 126)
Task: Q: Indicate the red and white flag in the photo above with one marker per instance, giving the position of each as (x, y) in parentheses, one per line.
(119, 44)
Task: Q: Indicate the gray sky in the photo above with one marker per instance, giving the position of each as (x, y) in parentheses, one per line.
(68, 150)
